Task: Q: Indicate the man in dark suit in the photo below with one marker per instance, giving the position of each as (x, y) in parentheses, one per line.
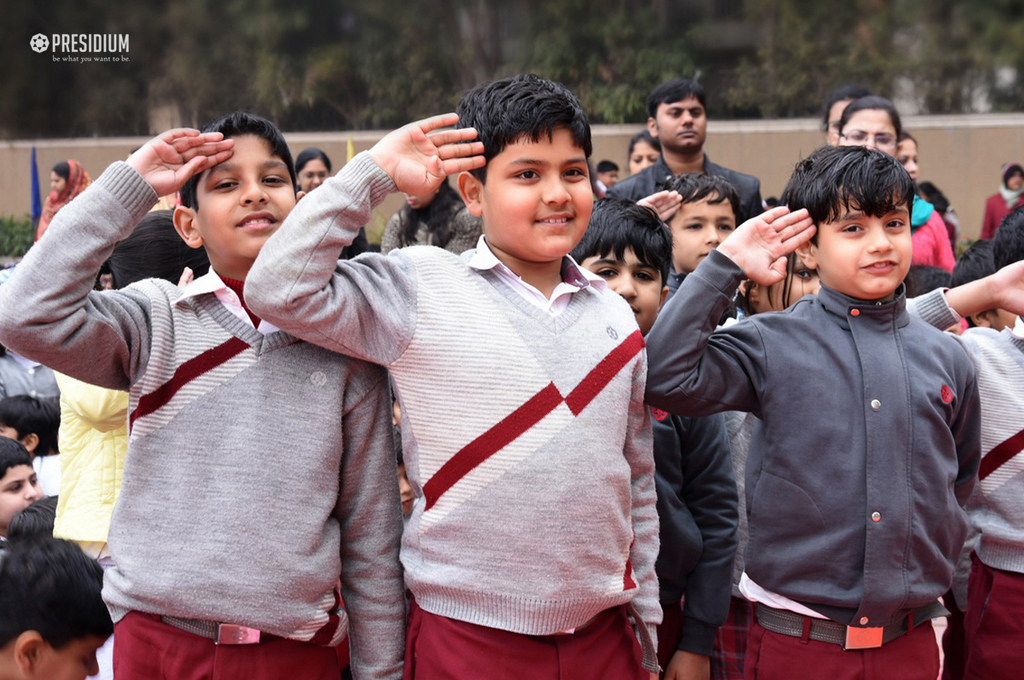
(678, 120)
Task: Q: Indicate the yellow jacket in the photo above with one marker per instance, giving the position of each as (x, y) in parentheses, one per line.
(93, 443)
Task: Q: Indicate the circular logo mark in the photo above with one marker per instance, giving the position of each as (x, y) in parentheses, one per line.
(39, 42)
(318, 378)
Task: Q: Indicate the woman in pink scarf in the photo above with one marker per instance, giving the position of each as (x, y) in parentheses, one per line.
(67, 180)
(1010, 196)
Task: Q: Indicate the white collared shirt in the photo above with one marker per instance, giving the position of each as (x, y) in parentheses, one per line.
(1018, 328)
(574, 278)
(211, 283)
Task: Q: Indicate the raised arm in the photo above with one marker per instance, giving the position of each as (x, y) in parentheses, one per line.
(48, 310)
(1002, 290)
(693, 373)
(363, 307)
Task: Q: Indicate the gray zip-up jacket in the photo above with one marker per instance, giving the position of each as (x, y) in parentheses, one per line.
(870, 442)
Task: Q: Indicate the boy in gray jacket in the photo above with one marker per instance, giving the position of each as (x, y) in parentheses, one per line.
(869, 442)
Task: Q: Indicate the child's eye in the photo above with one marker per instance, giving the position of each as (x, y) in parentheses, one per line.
(725, 227)
(644, 276)
(805, 274)
(575, 172)
(851, 229)
(226, 184)
(606, 273)
(528, 174)
(895, 224)
(274, 180)
(696, 226)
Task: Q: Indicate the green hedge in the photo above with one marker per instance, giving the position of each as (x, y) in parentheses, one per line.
(16, 236)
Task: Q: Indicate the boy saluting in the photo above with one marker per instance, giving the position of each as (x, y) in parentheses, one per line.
(520, 378)
(869, 442)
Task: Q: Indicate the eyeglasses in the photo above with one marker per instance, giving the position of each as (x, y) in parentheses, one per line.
(309, 174)
(882, 140)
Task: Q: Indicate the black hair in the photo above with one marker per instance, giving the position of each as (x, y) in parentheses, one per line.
(977, 262)
(675, 90)
(240, 124)
(310, 154)
(697, 186)
(436, 217)
(835, 179)
(155, 250)
(607, 166)
(850, 92)
(34, 522)
(506, 111)
(29, 415)
(1008, 243)
(12, 454)
(742, 299)
(933, 195)
(1011, 169)
(904, 136)
(869, 103)
(643, 136)
(52, 587)
(922, 279)
(617, 224)
(63, 169)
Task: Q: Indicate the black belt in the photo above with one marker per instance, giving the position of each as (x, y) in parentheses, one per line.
(790, 623)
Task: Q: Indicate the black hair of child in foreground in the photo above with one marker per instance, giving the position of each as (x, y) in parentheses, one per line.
(52, 619)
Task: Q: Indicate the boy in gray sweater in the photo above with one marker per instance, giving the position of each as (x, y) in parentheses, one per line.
(520, 379)
(260, 468)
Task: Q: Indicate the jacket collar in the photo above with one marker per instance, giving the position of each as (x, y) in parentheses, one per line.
(877, 314)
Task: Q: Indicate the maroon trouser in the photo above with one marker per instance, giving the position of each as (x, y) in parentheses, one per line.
(995, 623)
(439, 648)
(772, 656)
(670, 630)
(145, 648)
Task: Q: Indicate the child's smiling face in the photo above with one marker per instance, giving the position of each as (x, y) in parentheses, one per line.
(862, 256)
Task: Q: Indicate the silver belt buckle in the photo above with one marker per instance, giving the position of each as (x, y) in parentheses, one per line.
(233, 634)
(863, 638)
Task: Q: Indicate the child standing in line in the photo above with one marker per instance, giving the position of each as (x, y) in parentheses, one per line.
(854, 527)
(630, 248)
(260, 468)
(520, 379)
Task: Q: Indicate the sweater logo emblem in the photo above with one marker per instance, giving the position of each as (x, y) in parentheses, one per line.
(658, 414)
(318, 378)
(947, 394)
(612, 333)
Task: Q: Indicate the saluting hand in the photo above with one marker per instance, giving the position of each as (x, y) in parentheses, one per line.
(168, 160)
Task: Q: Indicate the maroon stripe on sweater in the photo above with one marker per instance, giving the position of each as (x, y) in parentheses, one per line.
(1000, 454)
(187, 372)
(491, 441)
(326, 633)
(602, 374)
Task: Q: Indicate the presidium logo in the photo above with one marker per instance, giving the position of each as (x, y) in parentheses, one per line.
(83, 47)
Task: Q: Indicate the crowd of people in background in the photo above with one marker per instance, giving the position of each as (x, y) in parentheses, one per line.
(259, 431)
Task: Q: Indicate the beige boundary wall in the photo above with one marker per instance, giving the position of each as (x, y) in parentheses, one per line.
(960, 154)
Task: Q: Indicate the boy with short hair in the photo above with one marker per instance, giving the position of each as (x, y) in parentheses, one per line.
(630, 248)
(35, 423)
(520, 382)
(260, 468)
(52, 618)
(19, 486)
(708, 212)
(855, 525)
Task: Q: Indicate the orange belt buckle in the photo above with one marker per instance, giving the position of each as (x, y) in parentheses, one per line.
(233, 634)
(863, 638)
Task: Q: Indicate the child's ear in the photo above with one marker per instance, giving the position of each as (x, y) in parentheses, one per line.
(299, 195)
(987, 319)
(808, 252)
(185, 223)
(29, 647)
(30, 442)
(664, 296)
(471, 190)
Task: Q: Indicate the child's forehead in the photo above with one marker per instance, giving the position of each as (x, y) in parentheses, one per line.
(555, 141)
(709, 205)
(16, 472)
(249, 150)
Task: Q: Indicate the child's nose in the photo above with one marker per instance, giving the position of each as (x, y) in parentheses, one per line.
(254, 193)
(555, 192)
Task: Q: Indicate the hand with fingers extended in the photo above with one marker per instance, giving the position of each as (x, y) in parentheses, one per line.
(665, 203)
(760, 245)
(167, 161)
(419, 156)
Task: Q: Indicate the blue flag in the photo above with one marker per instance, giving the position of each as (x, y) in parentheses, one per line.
(37, 203)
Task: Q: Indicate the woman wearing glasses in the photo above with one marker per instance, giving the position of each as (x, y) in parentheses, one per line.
(874, 122)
